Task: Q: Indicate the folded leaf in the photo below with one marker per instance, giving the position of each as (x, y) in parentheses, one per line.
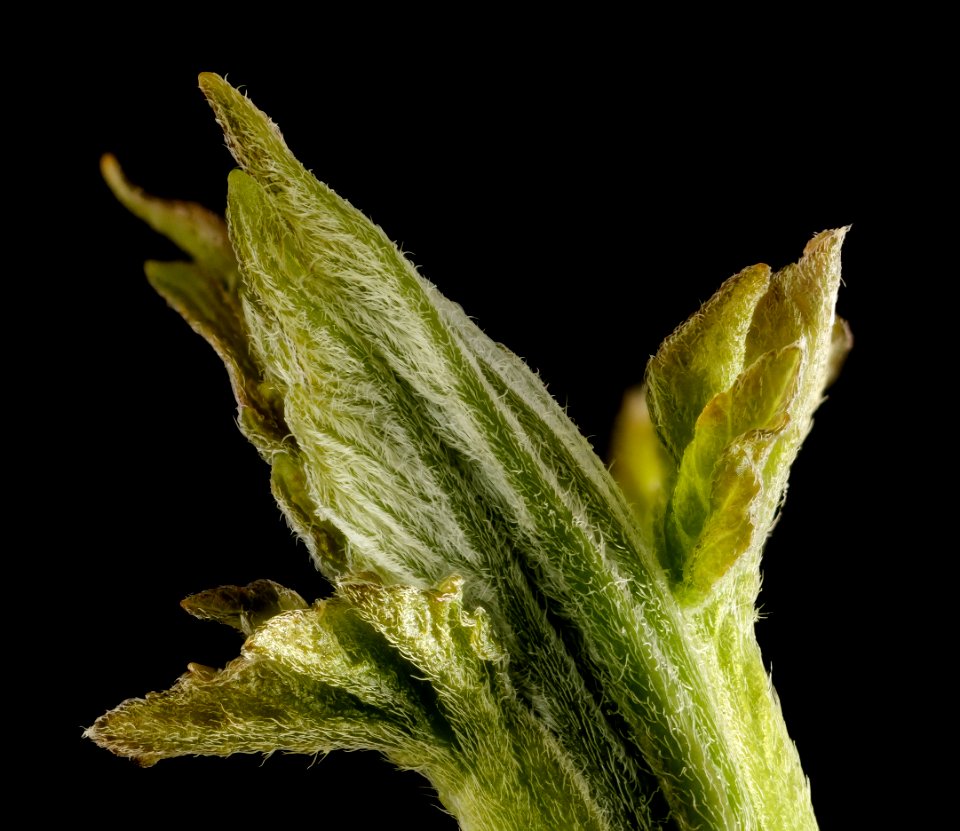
(420, 447)
(703, 357)
(205, 292)
(721, 473)
(755, 361)
(263, 701)
(395, 669)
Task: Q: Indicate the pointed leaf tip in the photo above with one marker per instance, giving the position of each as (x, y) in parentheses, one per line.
(252, 138)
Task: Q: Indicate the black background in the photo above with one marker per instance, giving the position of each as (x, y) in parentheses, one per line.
(579, 203)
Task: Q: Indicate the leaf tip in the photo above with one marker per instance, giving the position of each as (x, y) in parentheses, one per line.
(828, 240)
(210, 82)
(110, 167)
(120, 186)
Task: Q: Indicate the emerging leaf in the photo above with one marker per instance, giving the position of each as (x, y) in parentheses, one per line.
(731, 394)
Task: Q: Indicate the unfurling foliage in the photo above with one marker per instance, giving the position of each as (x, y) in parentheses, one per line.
(550, 648)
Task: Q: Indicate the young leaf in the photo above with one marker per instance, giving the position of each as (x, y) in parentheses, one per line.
(592, 666)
